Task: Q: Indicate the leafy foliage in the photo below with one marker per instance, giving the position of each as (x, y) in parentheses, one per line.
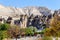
(54, 29)
(28, 31)
(14, 32)
(3, 31)
(34, 29)
(47, 38)
(3, 34)
(4, 27)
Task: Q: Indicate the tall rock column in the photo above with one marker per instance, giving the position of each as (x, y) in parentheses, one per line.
(24, 21)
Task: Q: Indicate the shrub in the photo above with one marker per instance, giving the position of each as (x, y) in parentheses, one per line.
(40, 32)
(4, 27)
(3, 31)
(47, 38)
(54, 29)
(3, 34)
(14, 32)
(56, 38)
(29, 32)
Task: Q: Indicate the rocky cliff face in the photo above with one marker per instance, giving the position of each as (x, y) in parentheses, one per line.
(28, 16)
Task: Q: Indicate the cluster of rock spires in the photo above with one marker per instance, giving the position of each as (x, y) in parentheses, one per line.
(38, 17)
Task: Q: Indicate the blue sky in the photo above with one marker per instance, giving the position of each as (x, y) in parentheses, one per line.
(51, 4)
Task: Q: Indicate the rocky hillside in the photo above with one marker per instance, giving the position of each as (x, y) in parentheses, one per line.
(12, 11)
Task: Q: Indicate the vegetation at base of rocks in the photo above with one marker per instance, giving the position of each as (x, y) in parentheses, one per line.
(56, 38)
(40, 32)
(54, 29)
(4, 27)
(3, 31)
(14, 32)
(47, 38)
(28, 31)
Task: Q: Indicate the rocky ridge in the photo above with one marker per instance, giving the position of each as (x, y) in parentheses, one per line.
(12, 11)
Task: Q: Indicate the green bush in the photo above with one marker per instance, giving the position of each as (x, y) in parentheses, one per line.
(3, 34)
(34, 29)
(4, 27)
(3, 31)
(40, 32)
(47, 38)
(29, 32)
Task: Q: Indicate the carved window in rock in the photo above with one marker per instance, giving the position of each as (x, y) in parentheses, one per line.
(35, 22)
(17, 22)
(9, 20)
(21, 19)
(29, 21)
(49, 16)
(0, 19)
